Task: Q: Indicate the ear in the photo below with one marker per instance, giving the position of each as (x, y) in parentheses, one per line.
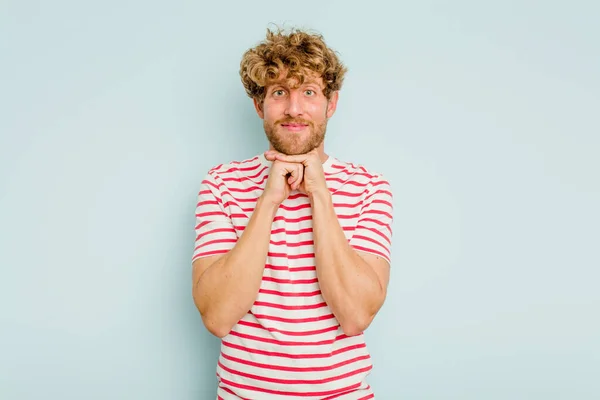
(332, 104)
(258, 107)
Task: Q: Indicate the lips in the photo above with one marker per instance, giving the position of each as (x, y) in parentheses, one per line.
(294, 127)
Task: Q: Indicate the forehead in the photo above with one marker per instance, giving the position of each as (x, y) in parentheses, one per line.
(297, 79)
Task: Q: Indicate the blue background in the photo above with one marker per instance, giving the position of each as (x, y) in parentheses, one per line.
(483, 115)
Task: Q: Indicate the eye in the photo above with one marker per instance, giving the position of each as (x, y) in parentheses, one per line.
(310, 92)
(278, 93)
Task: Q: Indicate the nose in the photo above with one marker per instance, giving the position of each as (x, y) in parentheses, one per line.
(294, 105)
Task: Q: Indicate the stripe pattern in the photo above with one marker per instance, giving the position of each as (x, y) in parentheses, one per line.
(289, 345)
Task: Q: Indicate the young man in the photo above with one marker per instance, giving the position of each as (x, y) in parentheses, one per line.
(292, 252)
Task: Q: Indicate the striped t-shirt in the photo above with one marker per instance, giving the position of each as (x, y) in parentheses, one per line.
(289, 345)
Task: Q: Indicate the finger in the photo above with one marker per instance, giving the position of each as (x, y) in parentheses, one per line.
(300, 176)
(293, 171)
(288, 170)
(296, 177)
(271, 155)
(300, 158)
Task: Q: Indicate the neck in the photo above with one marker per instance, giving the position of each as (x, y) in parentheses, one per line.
(322, 155)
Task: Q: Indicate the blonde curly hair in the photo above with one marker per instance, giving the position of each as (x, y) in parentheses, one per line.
(299, 53)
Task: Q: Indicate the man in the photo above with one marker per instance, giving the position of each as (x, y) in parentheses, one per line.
(292, 252)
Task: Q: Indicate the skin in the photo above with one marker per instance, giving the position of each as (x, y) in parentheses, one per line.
(353, 283)
(286, 104)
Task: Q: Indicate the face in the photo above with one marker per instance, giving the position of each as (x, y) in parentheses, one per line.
(295, 116)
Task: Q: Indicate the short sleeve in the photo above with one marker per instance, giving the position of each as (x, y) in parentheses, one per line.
(373, 232)
(214, 230)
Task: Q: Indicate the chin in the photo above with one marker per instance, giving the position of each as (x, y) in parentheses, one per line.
(290, 151)
(291, 146)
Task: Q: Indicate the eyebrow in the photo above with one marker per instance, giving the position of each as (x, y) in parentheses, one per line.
(311, 82)
(305, 83)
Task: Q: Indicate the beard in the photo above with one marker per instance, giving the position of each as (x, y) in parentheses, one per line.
(294, 143)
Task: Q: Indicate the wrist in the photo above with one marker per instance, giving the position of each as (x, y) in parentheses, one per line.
(265, 204)
(320, 196)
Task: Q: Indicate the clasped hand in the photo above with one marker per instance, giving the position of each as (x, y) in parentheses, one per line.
(302, 172)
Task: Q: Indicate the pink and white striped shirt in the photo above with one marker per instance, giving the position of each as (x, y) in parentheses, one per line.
(289, 345)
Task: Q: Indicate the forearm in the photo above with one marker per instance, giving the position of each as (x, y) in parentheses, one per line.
(349, 286)
(228, 288)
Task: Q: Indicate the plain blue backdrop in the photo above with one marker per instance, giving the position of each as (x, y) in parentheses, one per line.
(483, 115)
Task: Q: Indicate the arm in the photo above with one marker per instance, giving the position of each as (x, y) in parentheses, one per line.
(226, 285)
(353, 276)
(353, 283)
(227, 272)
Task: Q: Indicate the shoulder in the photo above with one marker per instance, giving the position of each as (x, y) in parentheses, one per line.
(358, 171)
(243, 167)
(375, 189)
(235, 165)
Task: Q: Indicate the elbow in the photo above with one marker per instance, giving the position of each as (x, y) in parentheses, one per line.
(352, 330)
(219, 332)
(216, 328)
(213, 324)
(357, 325)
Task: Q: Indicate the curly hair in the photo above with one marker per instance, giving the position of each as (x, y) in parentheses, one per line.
(299, 53)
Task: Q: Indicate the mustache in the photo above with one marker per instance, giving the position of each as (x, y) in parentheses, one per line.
(293, 121)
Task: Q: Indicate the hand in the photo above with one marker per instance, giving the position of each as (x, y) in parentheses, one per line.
(314, 177)
(283, 178)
